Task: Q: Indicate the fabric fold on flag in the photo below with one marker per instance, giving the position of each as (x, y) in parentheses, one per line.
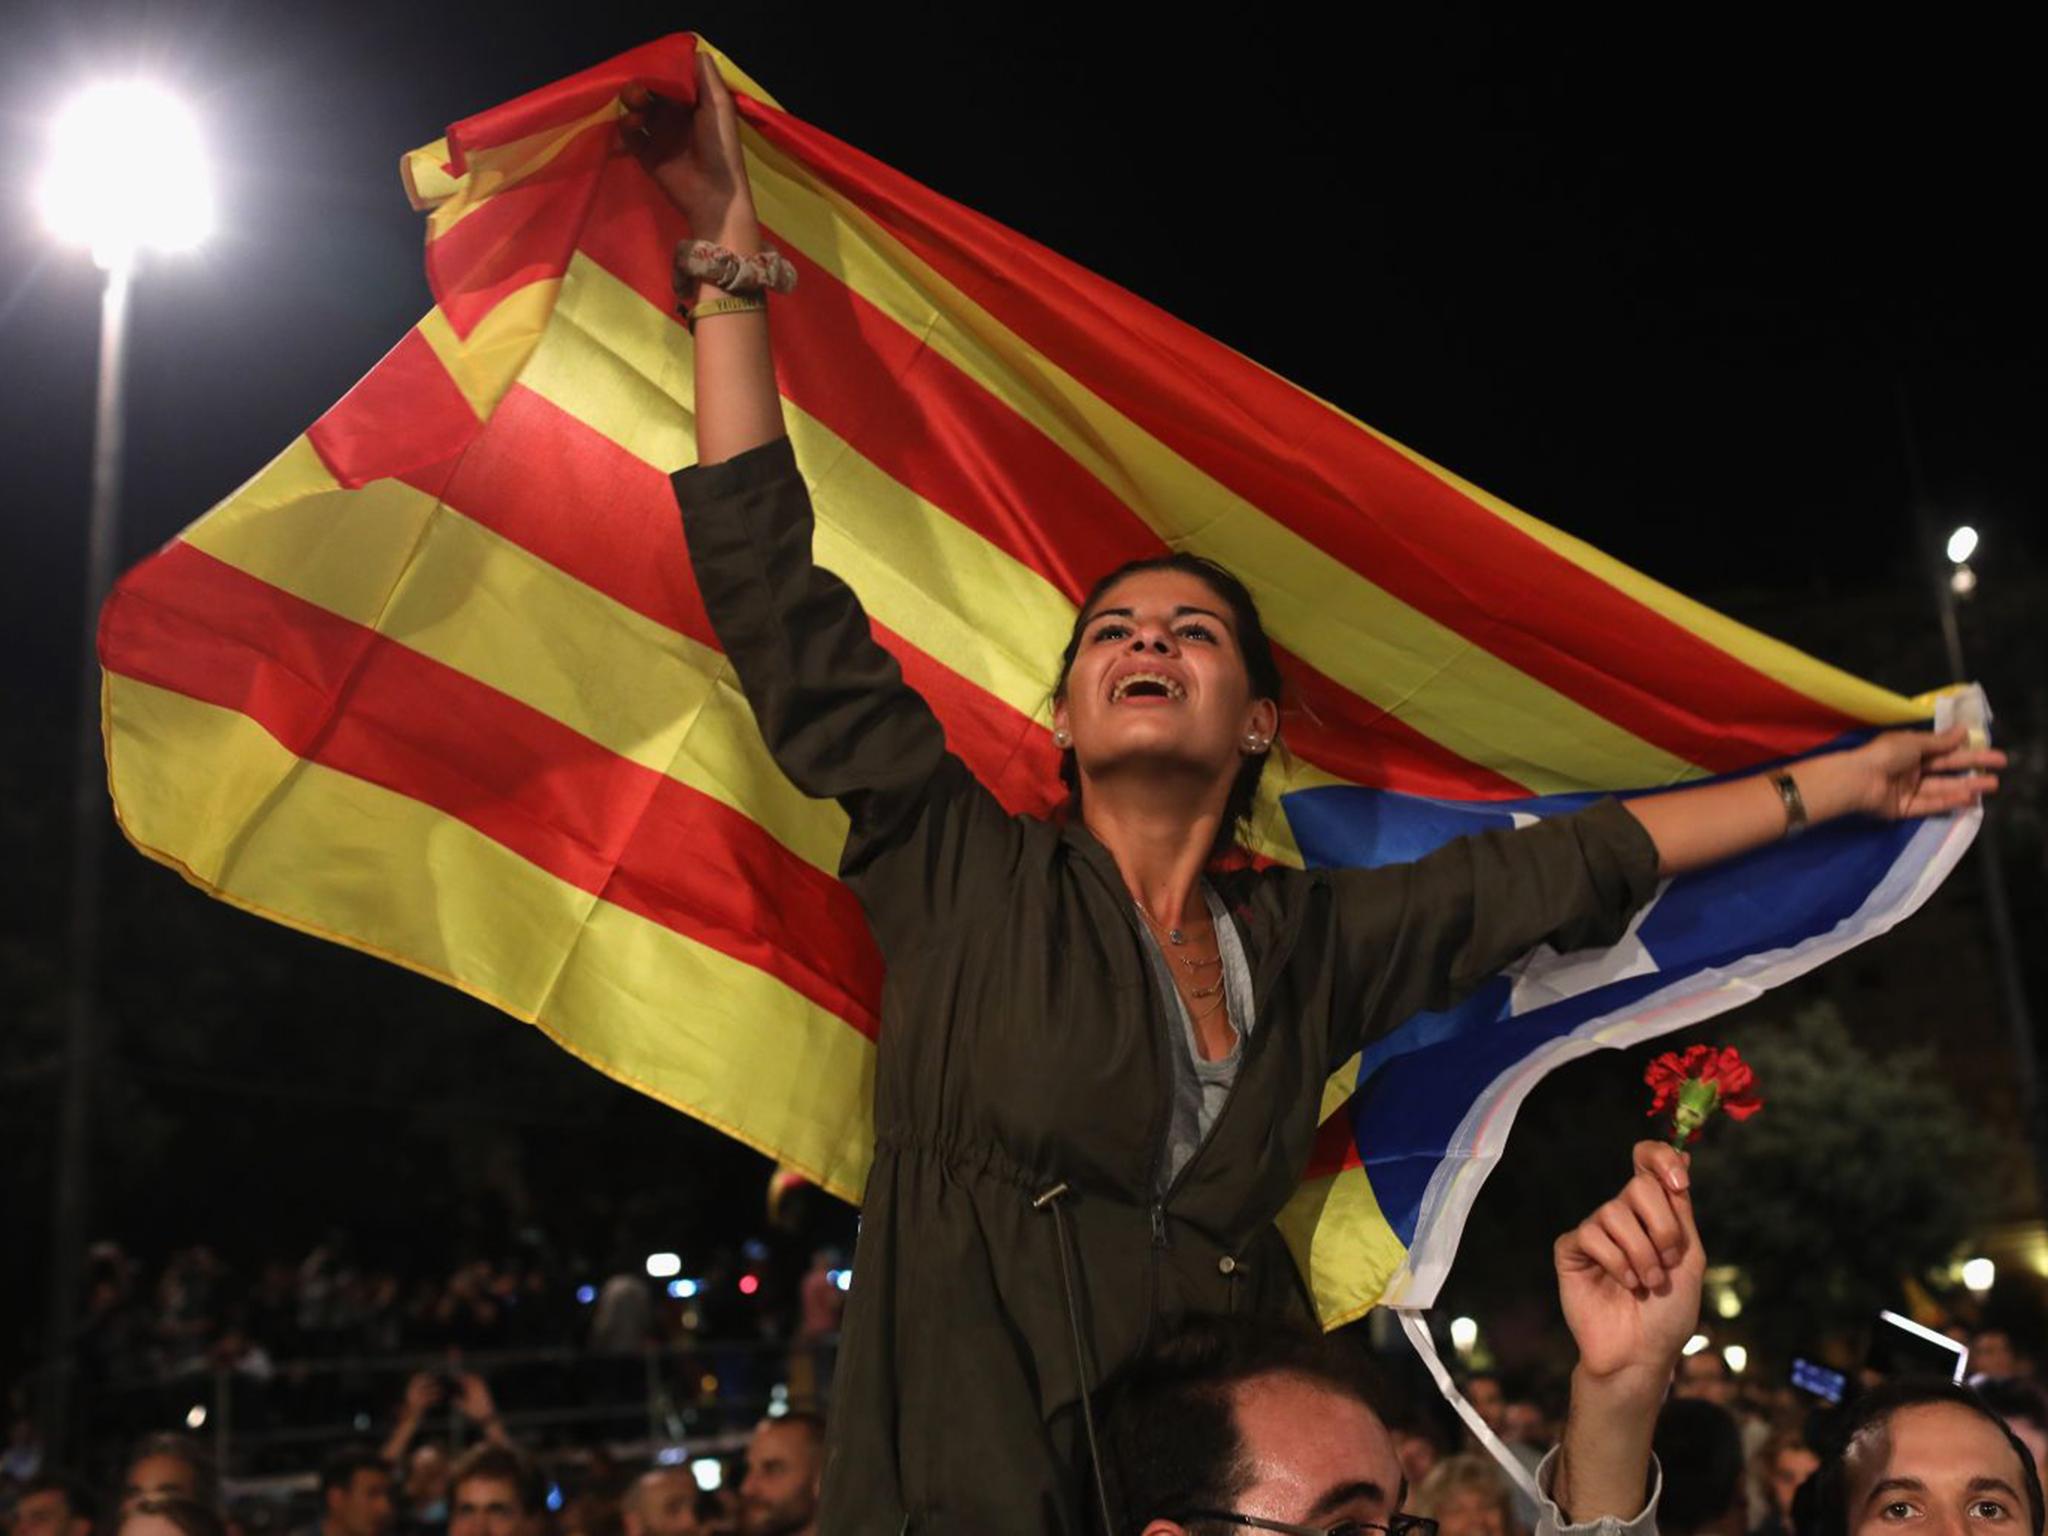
(436, 682)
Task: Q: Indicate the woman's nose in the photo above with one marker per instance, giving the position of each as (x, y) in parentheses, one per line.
(1156, 641)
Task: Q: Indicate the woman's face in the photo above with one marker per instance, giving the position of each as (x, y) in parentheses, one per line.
(1469, 1512)
(1159, 685)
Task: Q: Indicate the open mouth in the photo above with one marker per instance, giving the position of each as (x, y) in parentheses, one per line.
(1146, 685)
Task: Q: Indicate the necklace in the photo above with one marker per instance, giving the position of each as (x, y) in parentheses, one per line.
(1174, 936)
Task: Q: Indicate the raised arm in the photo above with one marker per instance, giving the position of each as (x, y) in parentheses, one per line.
(1893, 776)
(1628, 1278)
(695, 158)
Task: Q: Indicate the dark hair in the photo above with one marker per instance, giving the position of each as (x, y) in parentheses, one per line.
(812, 1424)
(188, 1515)
(340, 1468)
(1261, 668)
(1169, 1425)
(1821, 1507)
(496, 1463)
(2015, 1397)
(1700, 1449)
(205, 1481)
(78, 1500)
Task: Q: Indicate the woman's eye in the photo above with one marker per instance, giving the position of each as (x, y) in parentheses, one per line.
(1111, 632)
(1197, 632)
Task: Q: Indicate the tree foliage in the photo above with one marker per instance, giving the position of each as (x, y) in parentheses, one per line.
(1860, 1172)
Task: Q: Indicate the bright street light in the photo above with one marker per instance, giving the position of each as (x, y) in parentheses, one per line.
(1696, 1343)
(1979, 1275)
(1737, 1358)
(662, 1265)
(1962, 544)
(1464, 1334)
(126, 170)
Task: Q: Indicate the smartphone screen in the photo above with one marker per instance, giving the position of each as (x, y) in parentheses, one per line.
(1818, 1380)
(1901, 1347)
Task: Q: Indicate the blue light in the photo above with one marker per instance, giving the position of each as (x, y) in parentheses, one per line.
(843, 1278)
(682, 1290)
(554, 1496)
(586, 1294)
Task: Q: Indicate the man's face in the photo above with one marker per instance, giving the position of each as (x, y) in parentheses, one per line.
(1523, 1422)
(1469, 1512)
(1937, 1469)
(662, 1503)
(363, 1508)
(159, 1477)
(780, 1494)
(1484, 1394)
(47, 1514)
(487, 1506)
(1704, 1376)
(1992, 1354)
(1793, 1466)
(1316, 1456)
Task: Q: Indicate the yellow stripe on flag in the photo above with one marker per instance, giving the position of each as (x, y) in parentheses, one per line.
(390, 558)
(682, 1022)
(1341, 1243)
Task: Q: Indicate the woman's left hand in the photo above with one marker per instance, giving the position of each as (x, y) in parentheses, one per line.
(1917, 773)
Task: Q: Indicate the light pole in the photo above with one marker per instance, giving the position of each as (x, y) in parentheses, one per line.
(126, 172)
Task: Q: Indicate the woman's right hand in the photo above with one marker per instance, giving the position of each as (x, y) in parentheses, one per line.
(694, 156)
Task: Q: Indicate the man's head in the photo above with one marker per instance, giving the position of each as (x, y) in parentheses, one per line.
(1250, 1416)
(495, 1492)
(1488, 1398)
(661, 1502)
(1992, 1353)
(426, 1475)
(355, 1494)
(1930, 1455)
(1704, 1377)
(1781, 1464)
(169, 1467)
(785, 1465)
(2024, 1407)
(1700, 1449)
(53, 1505)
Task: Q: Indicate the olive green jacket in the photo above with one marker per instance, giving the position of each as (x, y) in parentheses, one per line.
(1024, 1046)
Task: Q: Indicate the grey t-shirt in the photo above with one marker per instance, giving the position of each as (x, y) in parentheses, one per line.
(1200, 1087)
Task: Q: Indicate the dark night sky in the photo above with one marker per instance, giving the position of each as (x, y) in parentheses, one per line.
(1653, 282)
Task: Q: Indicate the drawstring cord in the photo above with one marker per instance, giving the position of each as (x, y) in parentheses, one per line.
(1050, 1201)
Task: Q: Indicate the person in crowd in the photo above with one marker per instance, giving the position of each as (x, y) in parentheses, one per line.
(1418, 1445)
(423, 1392)
(355, 1494)
(1699, 1446)
(424, 1490)
(51, 1504)
(2024, 1407)
(1483, 1390)
(169, 1467)
(1704, 1378)
(1780, 1465)
(1264, 1423)
(1924, 1456)
(1466, 1496)
(785, 1468)
(1993, 1355)
(498, 1491)
(170, 1515)
(661, 1501)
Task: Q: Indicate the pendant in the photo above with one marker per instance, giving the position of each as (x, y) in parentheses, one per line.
(1175, 936)
(1208, 991)
(1199, 962)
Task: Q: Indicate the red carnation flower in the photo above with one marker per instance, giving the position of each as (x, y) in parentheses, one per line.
(1692, 1086)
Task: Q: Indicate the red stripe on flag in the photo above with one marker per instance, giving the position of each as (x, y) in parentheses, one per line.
(1335, 1148)
(1340, 487)
(405, 414)
(352, 700)
(543, 480)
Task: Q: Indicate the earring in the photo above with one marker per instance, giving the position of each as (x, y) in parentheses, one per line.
(1254, 743)
(1061, 739)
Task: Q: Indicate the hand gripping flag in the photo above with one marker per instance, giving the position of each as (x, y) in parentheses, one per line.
(436, 682)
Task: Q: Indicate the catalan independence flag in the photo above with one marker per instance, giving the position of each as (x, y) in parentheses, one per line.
(436, 683)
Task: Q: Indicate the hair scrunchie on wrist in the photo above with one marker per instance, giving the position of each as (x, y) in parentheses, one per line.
(704, 261)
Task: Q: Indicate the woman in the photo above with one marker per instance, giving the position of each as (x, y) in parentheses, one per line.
(1099, 1072)
(1466, 1496)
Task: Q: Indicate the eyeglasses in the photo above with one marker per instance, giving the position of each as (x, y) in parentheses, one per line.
(1393, 1525)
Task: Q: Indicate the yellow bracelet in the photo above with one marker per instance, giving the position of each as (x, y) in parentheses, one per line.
(723, 306)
